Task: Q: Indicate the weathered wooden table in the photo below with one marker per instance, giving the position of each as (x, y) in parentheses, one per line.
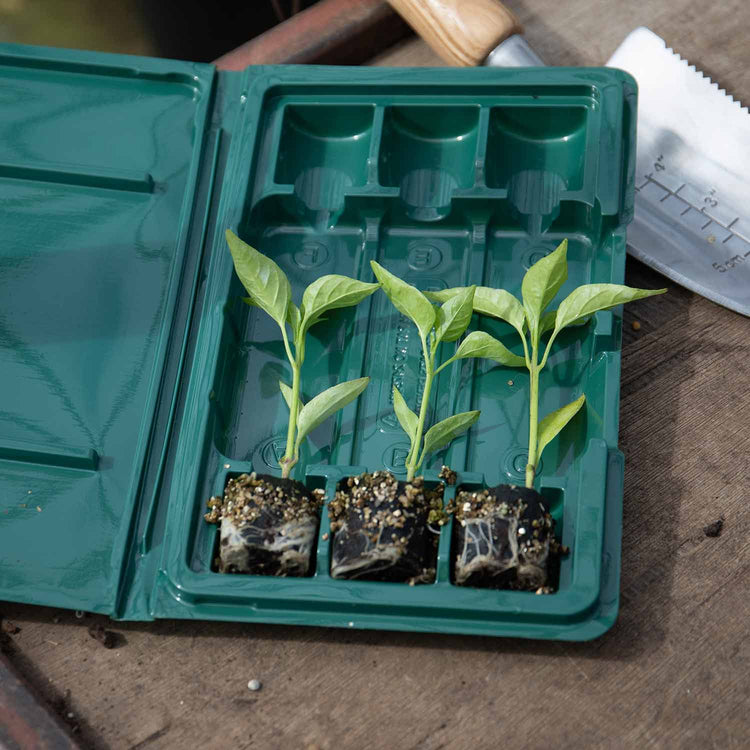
(673, 672)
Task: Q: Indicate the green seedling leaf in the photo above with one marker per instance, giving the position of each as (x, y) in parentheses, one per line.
(288, 395)
(551, 425)
(547, 322)
(588, 299)
(406, 417)
(496, 303)
(443, 295)
(294, 318)
(541, 283)
(318, 409)
(549, 319)
(453, 316)
(481, 344)
(407, 299)
(440, 434)
(264, 281)
(331, 292)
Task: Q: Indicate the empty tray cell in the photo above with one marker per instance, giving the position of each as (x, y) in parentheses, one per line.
(428, 152)
(323, 151)
(536, 153)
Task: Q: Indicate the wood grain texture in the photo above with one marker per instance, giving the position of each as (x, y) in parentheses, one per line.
(461, 32)
(674, 672)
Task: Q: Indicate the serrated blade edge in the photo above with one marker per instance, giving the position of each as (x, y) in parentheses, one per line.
(692, 220)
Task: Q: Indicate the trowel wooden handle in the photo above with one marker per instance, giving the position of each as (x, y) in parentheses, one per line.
(462, 32)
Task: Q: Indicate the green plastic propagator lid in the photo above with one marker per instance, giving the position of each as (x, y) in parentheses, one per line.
(98, 163)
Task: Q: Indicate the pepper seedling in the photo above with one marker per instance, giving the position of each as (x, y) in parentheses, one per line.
(532, 320)
(436, 325)
(269, 289)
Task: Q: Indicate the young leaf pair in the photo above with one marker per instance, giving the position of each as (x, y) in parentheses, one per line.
(436, 325)
(532, 320)
(269, 289)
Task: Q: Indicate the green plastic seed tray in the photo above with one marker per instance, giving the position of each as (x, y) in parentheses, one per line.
(136, 381)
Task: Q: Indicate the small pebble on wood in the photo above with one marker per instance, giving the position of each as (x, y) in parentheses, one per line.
(254, 685)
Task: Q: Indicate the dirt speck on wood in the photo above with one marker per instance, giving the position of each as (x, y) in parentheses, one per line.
(108, 638)
(9, 627)
(715, 528)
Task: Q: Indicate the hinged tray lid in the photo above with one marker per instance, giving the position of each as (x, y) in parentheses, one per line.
(98, 161)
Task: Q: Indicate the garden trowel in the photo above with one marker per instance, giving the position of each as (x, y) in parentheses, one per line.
(692, 180)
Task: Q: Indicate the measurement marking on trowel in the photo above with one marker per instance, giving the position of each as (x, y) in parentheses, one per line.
(729, 237)
(710, 222)
(711, 201)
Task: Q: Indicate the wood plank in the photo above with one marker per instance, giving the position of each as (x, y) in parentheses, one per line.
(328, 32)
(673, 672)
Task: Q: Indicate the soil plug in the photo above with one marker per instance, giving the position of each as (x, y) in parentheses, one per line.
(268, 524)
(504, 535)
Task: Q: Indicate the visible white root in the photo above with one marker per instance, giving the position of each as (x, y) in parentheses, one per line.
(294, 540)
